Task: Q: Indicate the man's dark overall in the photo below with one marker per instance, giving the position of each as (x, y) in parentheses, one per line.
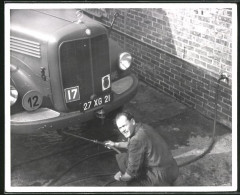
(148, 160)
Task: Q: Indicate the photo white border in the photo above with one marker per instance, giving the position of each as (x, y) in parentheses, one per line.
(9, 188)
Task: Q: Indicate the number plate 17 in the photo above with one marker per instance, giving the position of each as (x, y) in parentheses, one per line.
(72, 94)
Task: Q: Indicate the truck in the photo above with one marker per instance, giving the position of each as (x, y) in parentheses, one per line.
(64, 70)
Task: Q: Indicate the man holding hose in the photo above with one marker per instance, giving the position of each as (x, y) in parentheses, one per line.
(148, 161)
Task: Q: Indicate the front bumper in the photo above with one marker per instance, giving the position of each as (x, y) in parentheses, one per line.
(45, 118)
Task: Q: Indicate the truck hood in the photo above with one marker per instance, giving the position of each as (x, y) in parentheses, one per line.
(41, 24)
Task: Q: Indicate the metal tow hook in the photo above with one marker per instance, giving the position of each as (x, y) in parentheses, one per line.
(101, 115)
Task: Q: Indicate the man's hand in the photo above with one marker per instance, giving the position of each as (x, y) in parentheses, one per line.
(122, 177)
(109, 143)
(117, 176)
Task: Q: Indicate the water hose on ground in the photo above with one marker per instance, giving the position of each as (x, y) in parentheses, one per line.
(44, 156)
(64, 173)
(90, 140)
(91, 156)
(88, 177)
(209, 148)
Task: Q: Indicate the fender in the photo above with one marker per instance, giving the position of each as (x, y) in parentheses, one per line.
(25, 80)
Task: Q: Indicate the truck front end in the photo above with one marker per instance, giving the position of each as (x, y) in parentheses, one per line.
(78, 73)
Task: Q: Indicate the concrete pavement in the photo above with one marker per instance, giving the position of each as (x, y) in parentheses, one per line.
(38, 160)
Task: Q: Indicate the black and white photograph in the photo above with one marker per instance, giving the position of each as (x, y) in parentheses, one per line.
(120, 97)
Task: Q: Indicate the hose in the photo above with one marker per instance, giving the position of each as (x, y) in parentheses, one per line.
(42, 157)
(210, 146)
(74, 165)
(110, 182)
(85, 139)
(87, 177)
(90, 140)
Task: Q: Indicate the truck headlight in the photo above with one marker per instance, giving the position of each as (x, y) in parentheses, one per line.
(13, 95)
(125, 60)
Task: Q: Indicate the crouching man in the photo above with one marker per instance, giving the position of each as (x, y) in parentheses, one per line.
(148, 161)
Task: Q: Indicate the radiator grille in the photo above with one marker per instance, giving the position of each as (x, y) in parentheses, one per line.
(83, 63)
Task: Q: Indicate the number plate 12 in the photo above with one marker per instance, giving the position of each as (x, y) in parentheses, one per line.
(32, 100)
(72, 94)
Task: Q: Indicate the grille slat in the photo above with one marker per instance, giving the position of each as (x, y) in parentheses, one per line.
(26, 47)
(25, 40)
(19, 51)
(23, 46)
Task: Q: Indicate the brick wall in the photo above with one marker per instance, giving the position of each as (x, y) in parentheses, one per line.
(180, 52)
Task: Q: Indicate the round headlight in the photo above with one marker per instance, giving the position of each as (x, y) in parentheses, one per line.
(125, 60)
(13, 95)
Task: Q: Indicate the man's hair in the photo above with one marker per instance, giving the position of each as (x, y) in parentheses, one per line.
(125, 113)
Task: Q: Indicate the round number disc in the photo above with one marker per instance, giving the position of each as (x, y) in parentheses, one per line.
(32, 100)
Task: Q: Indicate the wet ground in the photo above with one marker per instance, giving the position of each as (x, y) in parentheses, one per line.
(49, 159)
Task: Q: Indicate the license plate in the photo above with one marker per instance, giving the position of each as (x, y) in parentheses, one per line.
(99, 101)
